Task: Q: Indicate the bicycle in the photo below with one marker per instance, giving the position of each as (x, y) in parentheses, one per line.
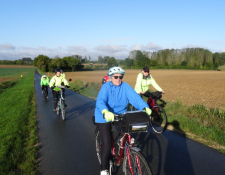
(158, 118)
(126, 151)
(45, 93)
(61, 103)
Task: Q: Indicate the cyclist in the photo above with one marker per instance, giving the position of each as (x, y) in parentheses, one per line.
(105, 79)
(144, 79)
(113, 98)
(63, 90)
(62, 74)
(44, 83)
(57, 80)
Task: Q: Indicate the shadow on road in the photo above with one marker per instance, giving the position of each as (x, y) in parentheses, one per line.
(79, 110)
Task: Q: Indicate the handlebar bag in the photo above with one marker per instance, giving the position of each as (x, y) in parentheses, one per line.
(136, 121)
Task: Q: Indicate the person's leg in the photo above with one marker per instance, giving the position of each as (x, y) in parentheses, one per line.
(106, 138)
(55, 99)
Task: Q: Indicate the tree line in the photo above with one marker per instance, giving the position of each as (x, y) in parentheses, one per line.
(67, 64)
(188, 58)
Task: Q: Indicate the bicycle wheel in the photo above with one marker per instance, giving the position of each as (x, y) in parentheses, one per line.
(63, 111)
(98, 144)
(139, 166)
(158, 119)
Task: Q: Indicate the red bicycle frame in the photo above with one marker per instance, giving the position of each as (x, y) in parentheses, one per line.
(126, 138)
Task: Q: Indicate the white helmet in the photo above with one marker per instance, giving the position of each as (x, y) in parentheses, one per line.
(44, 76)
(116, 70)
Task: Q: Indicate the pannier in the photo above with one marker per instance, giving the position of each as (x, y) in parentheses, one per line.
(136, 121)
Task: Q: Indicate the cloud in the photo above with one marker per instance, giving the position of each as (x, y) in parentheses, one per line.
(76, 48)
(222, 50)
(148, 47)
(7, 46)
(110, 48)
(217, 42)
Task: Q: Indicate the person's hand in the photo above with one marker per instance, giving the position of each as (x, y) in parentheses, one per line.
(163, 92)
(142, 92)
(67, 86)
(52, 87)
(148, 111)
(109, 116)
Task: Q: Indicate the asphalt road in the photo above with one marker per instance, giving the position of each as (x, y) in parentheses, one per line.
(68, 147)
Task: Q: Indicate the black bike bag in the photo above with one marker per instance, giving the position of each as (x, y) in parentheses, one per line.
(136, 121)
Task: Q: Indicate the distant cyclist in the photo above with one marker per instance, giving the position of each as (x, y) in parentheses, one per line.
(105, 79)
(57, 80)
(113, 98)
(62, 74)
(44, 83)
(144, 79)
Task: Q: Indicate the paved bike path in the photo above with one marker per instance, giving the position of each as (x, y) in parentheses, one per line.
(68, 147)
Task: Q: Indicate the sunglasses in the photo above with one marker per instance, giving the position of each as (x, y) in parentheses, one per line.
(146, 71)
(121, 77)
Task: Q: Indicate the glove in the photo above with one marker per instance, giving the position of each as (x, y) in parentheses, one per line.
(52, 87)
(148, 111)
(67, 86)
(109, 116)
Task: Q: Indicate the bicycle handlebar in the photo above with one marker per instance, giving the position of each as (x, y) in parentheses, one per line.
(120, 116)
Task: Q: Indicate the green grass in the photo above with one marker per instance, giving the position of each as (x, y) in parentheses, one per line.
(18, 130)
(13, 72)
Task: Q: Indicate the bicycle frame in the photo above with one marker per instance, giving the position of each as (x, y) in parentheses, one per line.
(125, 143)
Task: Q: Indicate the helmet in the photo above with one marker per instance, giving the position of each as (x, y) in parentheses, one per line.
(44, 76)
(115, 70)
(145, 68)
(57, 70)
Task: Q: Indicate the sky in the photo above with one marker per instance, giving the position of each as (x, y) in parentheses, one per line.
(58, 28)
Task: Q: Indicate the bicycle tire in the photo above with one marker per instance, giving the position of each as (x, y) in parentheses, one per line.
(98, 144)
(63, 111)
(158, 119)
(144, 168)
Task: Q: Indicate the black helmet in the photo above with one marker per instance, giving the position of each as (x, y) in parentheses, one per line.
(57, 70)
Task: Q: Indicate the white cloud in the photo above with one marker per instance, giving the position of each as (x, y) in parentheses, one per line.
(110, 48)
(76, 48)
(217, 42)
(148, 47)
(7, 46)
(222, 50)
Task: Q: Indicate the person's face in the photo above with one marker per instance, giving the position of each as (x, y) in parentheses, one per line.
(117, 79)
(57, 74)
(145, 73)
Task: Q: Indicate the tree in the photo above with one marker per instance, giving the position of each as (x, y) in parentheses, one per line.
(111, 62)
(42, 62)
(129, 62)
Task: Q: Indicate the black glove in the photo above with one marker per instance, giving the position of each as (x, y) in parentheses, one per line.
(52, 87)
(67, 86)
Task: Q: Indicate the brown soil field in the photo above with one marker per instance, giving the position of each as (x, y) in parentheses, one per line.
(15, 66)
(191, 86)
(5, 79)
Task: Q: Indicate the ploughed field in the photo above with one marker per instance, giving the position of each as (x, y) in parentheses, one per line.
(192, 86)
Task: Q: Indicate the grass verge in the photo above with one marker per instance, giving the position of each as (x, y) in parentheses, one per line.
(202, 124)
(18, 128)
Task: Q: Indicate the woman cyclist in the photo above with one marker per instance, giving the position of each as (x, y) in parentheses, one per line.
(144, 79)
(113, 98)
(44, 83)
(57, 80)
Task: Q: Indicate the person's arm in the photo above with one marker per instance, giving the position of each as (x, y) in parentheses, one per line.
(101, 101)
(52, 82)
(155, 85)
(135, 99)
(138, 87)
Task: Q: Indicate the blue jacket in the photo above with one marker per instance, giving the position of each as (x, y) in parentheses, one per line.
(115, 99)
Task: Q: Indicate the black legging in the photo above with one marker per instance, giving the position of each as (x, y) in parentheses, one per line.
(56, 96)
(106, 138)
(45, 86)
